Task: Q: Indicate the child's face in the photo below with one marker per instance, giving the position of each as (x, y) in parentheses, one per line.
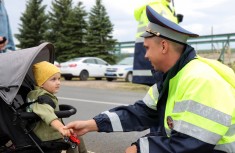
(52, 85)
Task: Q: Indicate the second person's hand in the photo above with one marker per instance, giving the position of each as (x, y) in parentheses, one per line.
(3, 42)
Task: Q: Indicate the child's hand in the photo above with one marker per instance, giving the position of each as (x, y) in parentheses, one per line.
(61, 128)
(65, 132)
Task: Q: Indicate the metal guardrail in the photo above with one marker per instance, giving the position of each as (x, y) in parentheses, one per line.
(223, 39)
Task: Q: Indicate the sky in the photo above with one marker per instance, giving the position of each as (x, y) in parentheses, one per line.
(203, 17)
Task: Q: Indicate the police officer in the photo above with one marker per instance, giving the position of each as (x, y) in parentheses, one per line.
(193, 103)
(142, 67)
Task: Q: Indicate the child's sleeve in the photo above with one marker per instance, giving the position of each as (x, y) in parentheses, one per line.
(45, 112)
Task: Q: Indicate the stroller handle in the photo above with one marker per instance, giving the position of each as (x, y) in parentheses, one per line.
(65, 112)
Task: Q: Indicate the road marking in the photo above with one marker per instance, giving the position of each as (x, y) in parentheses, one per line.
(91, 101)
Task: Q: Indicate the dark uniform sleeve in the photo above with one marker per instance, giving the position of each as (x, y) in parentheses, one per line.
(137, 117)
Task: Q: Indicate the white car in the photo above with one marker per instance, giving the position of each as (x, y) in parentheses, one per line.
(83, 67)
(57, 64)
(122, 69)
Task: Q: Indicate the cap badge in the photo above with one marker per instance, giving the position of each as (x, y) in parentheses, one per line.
(153, 32)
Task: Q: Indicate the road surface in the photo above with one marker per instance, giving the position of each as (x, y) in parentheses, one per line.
(91, 101)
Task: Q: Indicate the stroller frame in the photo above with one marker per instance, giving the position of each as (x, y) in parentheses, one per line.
(15, 123)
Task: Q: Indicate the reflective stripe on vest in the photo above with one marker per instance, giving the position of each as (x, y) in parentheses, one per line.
(151, 97)
(228, 148)
(201, 112)
(223, 144)
(142, 73)
(231, 131)
(196, 132)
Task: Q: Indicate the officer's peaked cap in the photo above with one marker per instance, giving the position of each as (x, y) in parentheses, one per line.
(162, 27)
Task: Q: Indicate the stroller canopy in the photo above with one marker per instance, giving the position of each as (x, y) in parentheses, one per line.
(15, 65)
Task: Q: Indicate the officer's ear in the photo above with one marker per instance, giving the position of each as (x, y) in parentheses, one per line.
(164, 46)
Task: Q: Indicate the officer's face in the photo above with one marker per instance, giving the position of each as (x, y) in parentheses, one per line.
(154, 52)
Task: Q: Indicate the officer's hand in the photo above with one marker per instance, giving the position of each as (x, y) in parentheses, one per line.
(82, 127)
(131, 149)
(65, 132)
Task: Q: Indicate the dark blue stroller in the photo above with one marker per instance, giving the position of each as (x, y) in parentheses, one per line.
(16, 80)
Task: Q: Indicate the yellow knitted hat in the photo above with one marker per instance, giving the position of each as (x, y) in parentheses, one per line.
(42, 71)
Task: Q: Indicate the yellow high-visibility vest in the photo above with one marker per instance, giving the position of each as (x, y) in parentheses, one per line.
(160, 6)
(201, 103)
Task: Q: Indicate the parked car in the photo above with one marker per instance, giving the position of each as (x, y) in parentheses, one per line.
(122, 69)
(57, 64)
(83, 67)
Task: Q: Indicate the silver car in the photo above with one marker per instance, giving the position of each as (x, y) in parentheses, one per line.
(122, 69)
(83, 67)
